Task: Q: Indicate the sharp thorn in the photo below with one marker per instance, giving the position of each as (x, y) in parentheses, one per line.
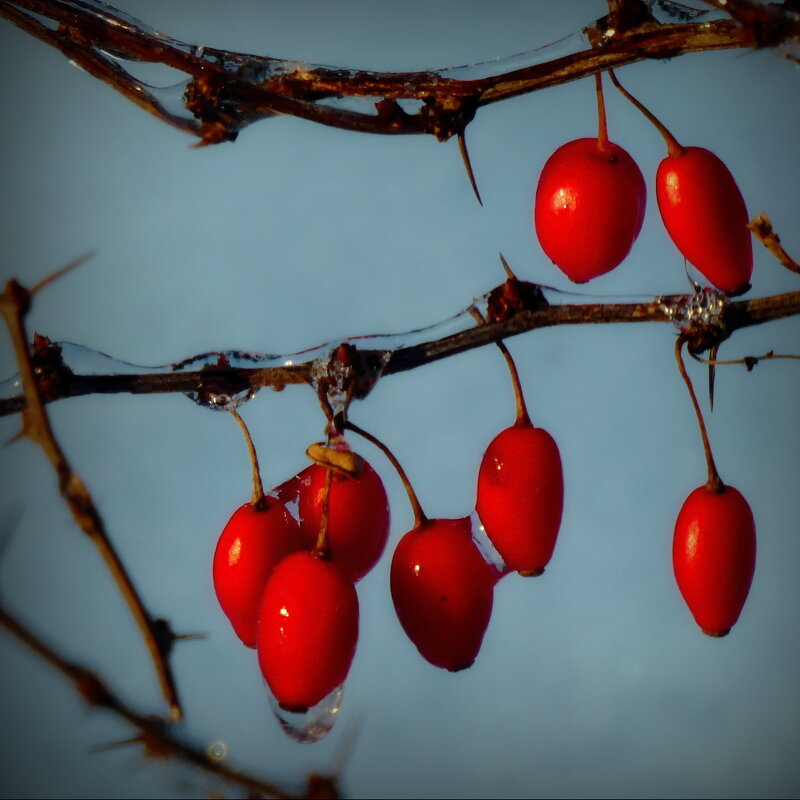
(59, 273)
(462, 146)
(509, 271)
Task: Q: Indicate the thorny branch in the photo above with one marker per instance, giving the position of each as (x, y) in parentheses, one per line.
(57, 381)
(15, 302)
(227, 91)
(155, 734)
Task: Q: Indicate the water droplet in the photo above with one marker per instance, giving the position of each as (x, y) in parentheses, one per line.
(315, 723)
(703, 309)
(217, 751)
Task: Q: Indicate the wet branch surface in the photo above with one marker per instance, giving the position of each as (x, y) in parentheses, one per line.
(227, 91)
(56, 381)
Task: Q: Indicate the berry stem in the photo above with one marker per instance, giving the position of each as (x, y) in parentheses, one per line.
(602, 127)
(673, 146)
(257, 499)
(714, 482)
(523, 418)
(322, 547)
(419, 515)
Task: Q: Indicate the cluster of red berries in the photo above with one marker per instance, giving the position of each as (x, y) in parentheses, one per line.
(287, 591)
(591, 198)
(286, 563)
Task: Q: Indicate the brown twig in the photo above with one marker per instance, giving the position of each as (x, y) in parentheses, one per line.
(15, 302)
(761, 227)
(154, 732)
(746, 361)
(62, 383)
(227, 91)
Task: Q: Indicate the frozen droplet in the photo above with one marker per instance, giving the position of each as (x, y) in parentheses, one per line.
(217, 751)
(315, 723)
(704, 308)
(486, 548)
(222, 401)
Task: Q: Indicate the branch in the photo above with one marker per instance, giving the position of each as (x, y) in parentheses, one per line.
(15, 302)
(154, 732)
(227, 91)
(216, 385)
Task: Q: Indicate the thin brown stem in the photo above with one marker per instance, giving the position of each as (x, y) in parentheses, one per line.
(15, 302)
(419, 515)
(746, 361)
(154, 734)
(714, 482)
(602, 125)
(257, 497)
(761, 228)
(673, 146)
(523, 418)
(322, 547)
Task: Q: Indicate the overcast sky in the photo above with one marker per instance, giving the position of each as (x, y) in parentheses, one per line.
(593, 679)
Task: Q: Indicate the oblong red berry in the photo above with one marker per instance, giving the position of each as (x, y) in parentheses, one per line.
(706, 217)
(308, 630)
(252, 543)
(589, 207)
(358, 517)
(443, 591)
(520, 496)
(714, 556)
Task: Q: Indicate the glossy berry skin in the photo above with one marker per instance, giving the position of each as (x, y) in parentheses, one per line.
(714, 556)
(308, 630)
(358, 517)
(705, 216)
(252, 543)
(443, 591)
(589, 208)
(520, 496)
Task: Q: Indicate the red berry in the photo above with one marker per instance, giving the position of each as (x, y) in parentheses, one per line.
(714, 556)
(521, 496)
(358, 517)
(443, 591)
(308, 629)
(253, 542)
(589, 207)
(705, 215)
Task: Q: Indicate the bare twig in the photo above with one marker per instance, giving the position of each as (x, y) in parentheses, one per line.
(61, 382)
(761, 227)
(227, 91)
(15, 302)
(154, 734)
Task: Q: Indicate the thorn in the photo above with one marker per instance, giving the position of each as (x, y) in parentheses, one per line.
(20, 434)
(462, 146)
(166, 638)
(59, 273)
(509, 271)
(711, 374)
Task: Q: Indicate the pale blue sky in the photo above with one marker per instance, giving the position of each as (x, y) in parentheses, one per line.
(593, 679)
